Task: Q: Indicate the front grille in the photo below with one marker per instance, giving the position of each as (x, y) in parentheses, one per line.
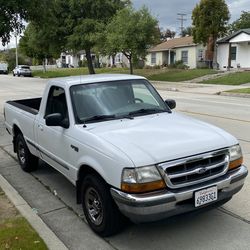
(193, 170)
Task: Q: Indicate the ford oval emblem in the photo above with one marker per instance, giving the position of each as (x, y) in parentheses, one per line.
(201, 170)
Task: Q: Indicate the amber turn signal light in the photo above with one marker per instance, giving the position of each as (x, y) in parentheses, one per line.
(142, 187)
(235, 163)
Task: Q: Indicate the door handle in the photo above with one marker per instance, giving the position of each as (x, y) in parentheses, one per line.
(40, 126)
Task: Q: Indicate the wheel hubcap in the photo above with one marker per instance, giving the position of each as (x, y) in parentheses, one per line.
(21, 153)
(93, 204)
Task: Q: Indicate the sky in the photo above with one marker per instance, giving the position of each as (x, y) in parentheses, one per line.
(166, 11)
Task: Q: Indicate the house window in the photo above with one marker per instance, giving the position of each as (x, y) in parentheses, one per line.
(153, 58)
(184, 56)
(200, 55)
(233, 53)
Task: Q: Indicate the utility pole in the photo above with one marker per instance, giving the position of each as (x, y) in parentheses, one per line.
(181, 17)
(16, 49)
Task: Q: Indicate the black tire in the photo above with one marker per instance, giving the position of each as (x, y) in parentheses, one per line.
(107, 219)
(27, 161)
(18, 74)
(14, 74)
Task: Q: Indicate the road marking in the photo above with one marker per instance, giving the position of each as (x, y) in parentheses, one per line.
(216, 116)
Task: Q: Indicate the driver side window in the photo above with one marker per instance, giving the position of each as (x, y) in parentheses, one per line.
(56, 102)
(142, 93)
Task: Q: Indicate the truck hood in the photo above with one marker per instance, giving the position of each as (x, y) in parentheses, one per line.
(162, 137)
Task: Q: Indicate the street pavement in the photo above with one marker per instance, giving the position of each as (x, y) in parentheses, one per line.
(52, 196)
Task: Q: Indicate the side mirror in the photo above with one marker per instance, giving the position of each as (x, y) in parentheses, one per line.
(171, 103)
(56, 119)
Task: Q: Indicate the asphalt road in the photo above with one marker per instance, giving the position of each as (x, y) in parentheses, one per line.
(53, 197)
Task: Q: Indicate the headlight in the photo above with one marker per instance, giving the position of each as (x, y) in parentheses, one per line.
(235, 155)
(140, 180)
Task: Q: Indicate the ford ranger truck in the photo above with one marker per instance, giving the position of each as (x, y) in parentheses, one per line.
(125, 149)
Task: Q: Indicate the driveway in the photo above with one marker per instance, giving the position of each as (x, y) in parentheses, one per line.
(53, 197)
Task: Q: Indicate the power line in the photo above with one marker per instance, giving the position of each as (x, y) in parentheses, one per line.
(181, 17)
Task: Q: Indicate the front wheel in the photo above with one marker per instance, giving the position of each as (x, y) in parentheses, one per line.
(99, 207)
(27, 161)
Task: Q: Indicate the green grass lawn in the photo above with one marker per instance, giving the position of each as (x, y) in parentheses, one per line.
(241, 91)
(174, 75)
(181, 75)
(231, 79)
(15, 231)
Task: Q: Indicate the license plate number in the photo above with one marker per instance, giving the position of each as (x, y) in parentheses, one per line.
(205, 196)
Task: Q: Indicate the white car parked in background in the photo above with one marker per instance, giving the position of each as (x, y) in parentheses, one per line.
(22, 70)
(3, 68)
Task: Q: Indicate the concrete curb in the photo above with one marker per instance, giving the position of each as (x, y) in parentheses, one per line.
(50, 239)
(235, 94)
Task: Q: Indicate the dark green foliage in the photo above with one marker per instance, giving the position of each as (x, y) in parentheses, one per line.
(210, 18)
(187, 32)
(132, 33)
(165, 34)
(14, 12)
(242, 23)
(83, 22)
(10, 57)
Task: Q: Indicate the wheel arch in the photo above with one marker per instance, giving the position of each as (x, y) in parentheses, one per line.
(16, 131)
(85, 170)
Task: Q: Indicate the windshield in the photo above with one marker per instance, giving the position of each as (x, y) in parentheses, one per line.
(25, 67)
(114, 100)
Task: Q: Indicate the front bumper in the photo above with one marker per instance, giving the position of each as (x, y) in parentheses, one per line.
(165, 203)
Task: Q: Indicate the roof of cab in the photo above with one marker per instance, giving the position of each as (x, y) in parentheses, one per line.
(86, 79)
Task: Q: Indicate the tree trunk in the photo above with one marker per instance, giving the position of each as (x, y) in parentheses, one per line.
(113, 60)
(215, 64)
(229, 57)
(44, 65)
(129, 56)
(89, 61)
(130, 65)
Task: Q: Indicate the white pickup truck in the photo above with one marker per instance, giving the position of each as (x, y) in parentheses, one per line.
(125, 150)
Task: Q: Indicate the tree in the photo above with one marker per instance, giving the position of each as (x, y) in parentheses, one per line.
(165, 34)
(186, 32)
(10, 57)
(14, 12)
(210, 18)
(132, 33)
(36, 43)
(242, 23)
(82, 21)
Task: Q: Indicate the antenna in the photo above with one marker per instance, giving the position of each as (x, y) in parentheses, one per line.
(182, 19)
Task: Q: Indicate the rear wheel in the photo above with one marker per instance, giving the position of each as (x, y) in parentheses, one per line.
(27, 161)
(99, 207)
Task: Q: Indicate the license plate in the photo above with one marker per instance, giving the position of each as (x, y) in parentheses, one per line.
(205, 196)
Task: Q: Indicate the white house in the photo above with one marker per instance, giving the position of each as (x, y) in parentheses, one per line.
(176, 49)
(234, 51)
(72, 60)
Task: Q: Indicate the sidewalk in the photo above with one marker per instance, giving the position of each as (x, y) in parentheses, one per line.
(50, 239)
(196, 88)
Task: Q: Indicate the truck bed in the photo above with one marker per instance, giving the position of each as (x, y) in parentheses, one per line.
(29, 105)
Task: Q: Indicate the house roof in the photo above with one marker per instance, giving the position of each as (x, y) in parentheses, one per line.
(228, 38)
(173, 43)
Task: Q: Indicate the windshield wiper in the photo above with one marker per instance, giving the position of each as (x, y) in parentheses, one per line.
(147, 111)
(99, 118)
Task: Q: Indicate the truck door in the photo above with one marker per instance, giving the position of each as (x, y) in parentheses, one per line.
(53, 141)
